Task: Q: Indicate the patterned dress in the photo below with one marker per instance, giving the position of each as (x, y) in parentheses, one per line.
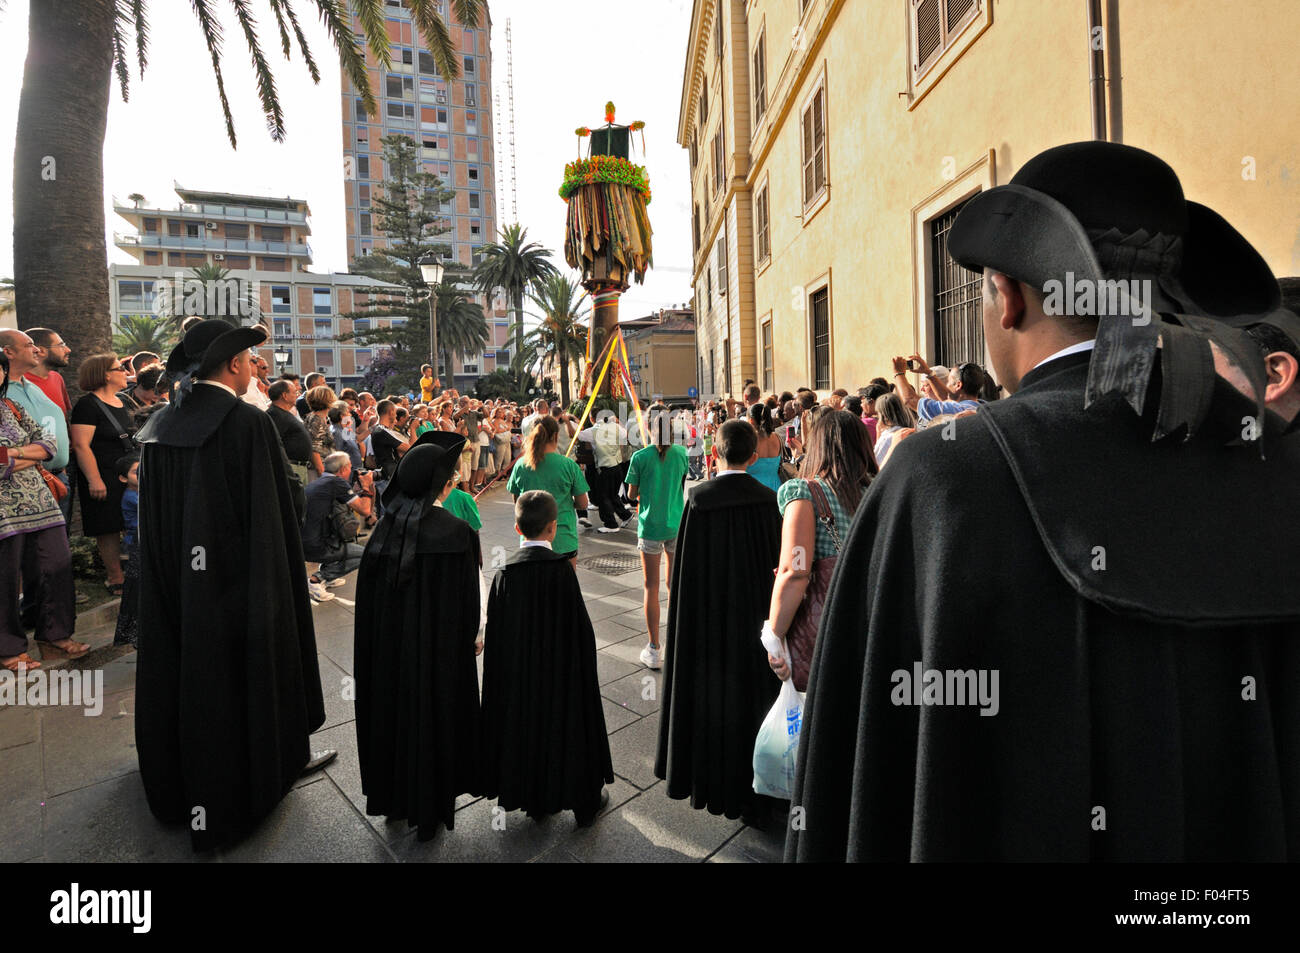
(26, 503)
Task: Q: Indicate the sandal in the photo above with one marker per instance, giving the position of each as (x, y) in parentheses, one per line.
(64, 648)
(19, 663)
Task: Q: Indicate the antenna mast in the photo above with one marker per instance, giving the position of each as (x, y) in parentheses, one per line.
(510, 97)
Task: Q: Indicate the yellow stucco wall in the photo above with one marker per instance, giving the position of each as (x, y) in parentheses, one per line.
(1202, 85)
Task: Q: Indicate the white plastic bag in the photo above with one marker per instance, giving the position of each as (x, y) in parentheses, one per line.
(777, 745)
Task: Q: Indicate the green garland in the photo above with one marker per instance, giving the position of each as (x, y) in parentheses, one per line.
(613, 169)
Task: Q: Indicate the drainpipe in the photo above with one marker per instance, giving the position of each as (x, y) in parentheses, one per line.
(1097, 69)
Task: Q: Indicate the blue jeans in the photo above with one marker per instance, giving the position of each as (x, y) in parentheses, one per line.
(346, 560)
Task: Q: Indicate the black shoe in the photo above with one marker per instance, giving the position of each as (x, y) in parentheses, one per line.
(587, 818)
(319, 759)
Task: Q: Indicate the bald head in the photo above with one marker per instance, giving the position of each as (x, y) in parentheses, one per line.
(24, 356)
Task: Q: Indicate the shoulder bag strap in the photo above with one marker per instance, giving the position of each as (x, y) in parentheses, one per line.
(128, 441)
(824, 511)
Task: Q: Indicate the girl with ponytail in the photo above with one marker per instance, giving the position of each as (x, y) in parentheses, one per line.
(543, 467)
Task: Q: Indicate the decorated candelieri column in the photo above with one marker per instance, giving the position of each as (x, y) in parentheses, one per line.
(607, 235)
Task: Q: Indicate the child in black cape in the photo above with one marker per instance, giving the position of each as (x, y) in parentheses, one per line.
(417, 621)
(717, 683)
(545, 749)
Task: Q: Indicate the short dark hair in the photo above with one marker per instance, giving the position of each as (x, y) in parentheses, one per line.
(314, 375)
(41, 337)
(807, 398)
(383, 407)
(737, 441)
(853, 405)
(277, 389)
(752, 393)
(1272, 339)
(289, 376)
(151, 377)
(143, 359)
(534, 511)
(124, 464)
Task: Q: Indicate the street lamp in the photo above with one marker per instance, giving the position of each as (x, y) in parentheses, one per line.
(282, 357)
(431, 271)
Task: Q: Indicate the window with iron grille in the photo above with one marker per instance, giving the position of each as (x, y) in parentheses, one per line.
(935, 24)
(721, 253)
(695, 222)
(761, 231)
(704, 100)
(767, 356)
(712, 375)
(726, 364)
(717, 34)
(820, 306)
(958, 330)
(760, 77)
(814, 147)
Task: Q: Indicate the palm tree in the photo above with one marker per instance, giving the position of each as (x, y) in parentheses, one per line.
(462, 328)
(560, 338)
(74, 47)
(139, 332)
(7, 296)
(513, 265)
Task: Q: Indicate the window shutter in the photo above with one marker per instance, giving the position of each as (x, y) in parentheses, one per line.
(927, 30)
(807, 155)
(819, 141)
(722, 269)
(957, 12)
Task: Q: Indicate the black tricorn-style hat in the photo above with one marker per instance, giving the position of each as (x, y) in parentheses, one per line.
(426, 467)
(1106, 212)
(211, 343)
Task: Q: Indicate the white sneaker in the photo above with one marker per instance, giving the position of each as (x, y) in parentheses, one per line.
(335, 583)
(650, 657)
(608, 529)
(318, 593)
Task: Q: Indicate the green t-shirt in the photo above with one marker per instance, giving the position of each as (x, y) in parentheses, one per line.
(461, 504)
(563, 479)
(659, 489)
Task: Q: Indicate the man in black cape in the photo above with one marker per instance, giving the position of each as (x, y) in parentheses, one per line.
(545, 749)
(717, 682)
(227, 686)
(1117, 678)
(417, 620)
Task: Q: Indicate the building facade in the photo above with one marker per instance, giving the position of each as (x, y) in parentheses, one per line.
(661, 354)
(832, 143)
(451, 123)
(262, 242)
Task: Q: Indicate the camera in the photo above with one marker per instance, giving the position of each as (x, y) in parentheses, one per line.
(913, 365)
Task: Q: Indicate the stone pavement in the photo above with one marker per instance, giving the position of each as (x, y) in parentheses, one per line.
(70, 788)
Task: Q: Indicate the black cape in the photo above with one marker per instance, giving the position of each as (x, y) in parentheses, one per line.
(417, 680)
(544, 743)
(227, 683)
(1139, 606)
(717, 684)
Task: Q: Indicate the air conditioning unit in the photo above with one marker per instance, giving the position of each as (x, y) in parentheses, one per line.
(211, 226)
(218, 257)
(471, 100)
(441, 99)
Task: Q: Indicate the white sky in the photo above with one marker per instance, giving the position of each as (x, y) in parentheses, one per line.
(565, 68)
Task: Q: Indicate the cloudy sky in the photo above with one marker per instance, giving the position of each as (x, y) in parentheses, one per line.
(565, 68)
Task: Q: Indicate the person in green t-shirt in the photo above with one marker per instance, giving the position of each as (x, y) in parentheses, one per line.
(461, 504)
(543, 467)
(655, 480)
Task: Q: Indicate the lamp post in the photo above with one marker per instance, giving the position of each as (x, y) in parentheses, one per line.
(431, 271)
(282, 357)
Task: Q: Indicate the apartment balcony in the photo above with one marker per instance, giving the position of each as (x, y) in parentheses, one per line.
(205, 211)
(205, 244)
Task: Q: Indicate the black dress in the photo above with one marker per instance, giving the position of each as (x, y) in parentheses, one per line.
(101, 517)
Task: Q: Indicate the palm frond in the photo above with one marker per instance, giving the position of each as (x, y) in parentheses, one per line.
(468, 12)
(277, 7)
(371, 15)
(265, 80)
(339, 26)
(120, 22)
(436, 37)
(212, 38)
(302, 43)
(141, 33)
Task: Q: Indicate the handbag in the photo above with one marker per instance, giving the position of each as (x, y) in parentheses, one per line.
(54, 483)
(345, 523)
(801, 637)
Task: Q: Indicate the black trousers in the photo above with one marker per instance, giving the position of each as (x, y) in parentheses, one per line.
(43, 553)
(605, 489)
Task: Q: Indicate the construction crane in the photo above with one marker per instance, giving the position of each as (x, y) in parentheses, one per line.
(510, 98)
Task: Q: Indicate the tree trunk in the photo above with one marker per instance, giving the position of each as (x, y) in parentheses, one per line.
(60, 256)
(564, 377)
(517, 300)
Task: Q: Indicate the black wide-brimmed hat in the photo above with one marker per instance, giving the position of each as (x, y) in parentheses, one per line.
(426, 467)
(209, 344)
(1095, 212)
(1127, 207)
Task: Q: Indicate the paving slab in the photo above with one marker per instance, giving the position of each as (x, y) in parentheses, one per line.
(752, 846)
(18, 726)
(81, 751)
(110, 822)
(633, 751)
(652, 829)
(609, 668)
(617, 716)
(23, 803)
(608, 632)
(338, 710)
(635, 693)
(315, 823)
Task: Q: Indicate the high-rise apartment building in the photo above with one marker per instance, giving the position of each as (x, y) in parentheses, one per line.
(450, 121)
